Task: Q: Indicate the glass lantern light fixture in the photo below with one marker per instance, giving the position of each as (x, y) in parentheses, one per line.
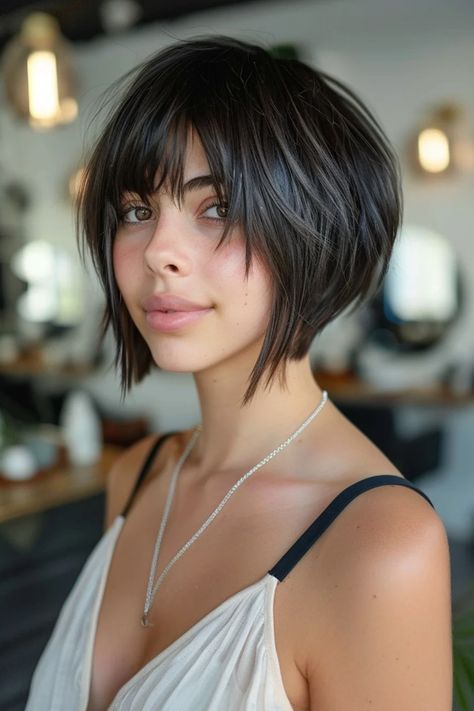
(435, 148)
(38, 73)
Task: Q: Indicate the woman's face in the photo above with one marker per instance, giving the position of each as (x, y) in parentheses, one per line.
(164, 250)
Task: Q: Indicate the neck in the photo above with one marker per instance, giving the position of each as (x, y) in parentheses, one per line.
(233, 436)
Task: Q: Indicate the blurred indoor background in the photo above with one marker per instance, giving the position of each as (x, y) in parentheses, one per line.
(402, 368)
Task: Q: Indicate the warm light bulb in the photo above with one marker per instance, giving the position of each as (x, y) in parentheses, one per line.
(42, 86)
(433, 150)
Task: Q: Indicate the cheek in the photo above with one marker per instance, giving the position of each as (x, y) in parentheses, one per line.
(124, 261)
(246, 297)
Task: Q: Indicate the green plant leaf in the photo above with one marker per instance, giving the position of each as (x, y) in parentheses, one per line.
(463, 679)
(463, 650)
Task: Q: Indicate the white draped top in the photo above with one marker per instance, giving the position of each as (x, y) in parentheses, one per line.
(227, 661)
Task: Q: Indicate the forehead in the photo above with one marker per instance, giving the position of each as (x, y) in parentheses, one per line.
(195, 159)
(191, 172)
(194, 164)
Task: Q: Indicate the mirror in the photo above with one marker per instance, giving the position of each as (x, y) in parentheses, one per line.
(40, 282)
(52, 294)
(421, 294)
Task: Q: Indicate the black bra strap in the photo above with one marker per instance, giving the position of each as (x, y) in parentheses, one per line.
(144, 470)
(314, 531)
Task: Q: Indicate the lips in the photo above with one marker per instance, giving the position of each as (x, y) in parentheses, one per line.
(171, 321)
(171, 302)
(167, 313)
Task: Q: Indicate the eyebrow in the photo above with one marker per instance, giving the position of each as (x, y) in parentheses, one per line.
(199, 182)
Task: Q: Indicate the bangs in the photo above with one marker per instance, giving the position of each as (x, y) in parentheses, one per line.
(160, 109)
(152, 157)
(148, 146)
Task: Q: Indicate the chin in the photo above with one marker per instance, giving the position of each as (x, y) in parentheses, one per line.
(194, 355)
(174, 361)
(189, 360)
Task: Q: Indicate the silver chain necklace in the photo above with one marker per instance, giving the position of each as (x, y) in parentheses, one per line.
(152, 587)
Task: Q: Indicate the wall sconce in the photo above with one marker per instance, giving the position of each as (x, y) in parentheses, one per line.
(435, 149)
(75, 183)
(38, 73)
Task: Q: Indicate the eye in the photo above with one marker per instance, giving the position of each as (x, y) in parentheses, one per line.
(217, 211)
(136, 214)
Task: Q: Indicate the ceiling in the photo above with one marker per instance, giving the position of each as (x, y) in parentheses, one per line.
(82, 20)
(335, 24)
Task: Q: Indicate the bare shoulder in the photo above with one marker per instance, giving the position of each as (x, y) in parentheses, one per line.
(384, 520)
(123, 475)
(384, 596)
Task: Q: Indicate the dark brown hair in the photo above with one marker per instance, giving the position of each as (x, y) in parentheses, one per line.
(302, 163)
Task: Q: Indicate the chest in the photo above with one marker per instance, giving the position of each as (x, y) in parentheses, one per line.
(228, 557)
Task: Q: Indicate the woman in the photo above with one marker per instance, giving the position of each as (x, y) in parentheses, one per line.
(233, 205)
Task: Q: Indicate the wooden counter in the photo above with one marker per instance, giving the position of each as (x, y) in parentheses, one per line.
(59, 485)
(64, 483)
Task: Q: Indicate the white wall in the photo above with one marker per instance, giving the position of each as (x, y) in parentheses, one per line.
(399, 57)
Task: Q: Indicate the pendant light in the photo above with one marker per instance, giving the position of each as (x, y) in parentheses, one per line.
(38, 73)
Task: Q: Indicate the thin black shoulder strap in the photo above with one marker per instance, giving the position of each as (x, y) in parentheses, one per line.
(317, 528)
(144, 470)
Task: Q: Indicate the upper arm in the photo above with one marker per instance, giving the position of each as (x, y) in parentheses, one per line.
(122, 476)
(387, 642)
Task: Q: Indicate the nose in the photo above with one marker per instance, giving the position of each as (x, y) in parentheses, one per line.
(166, 250)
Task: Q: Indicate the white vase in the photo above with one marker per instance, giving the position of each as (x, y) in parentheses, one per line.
(17, 463)
(81, 428)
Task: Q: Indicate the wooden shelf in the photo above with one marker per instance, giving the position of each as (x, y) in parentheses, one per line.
(32, 365)
(350, 389)
(59, 485)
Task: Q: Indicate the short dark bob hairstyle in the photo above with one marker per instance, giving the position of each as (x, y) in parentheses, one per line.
(303, 165)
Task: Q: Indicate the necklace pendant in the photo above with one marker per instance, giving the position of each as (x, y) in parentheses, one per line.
(144, 620)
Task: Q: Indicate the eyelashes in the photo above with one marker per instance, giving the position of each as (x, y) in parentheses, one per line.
(142, 214)
(221, 208)
(136, 213)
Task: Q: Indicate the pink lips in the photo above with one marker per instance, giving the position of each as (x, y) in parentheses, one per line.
(165, 302)
(181, 312)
